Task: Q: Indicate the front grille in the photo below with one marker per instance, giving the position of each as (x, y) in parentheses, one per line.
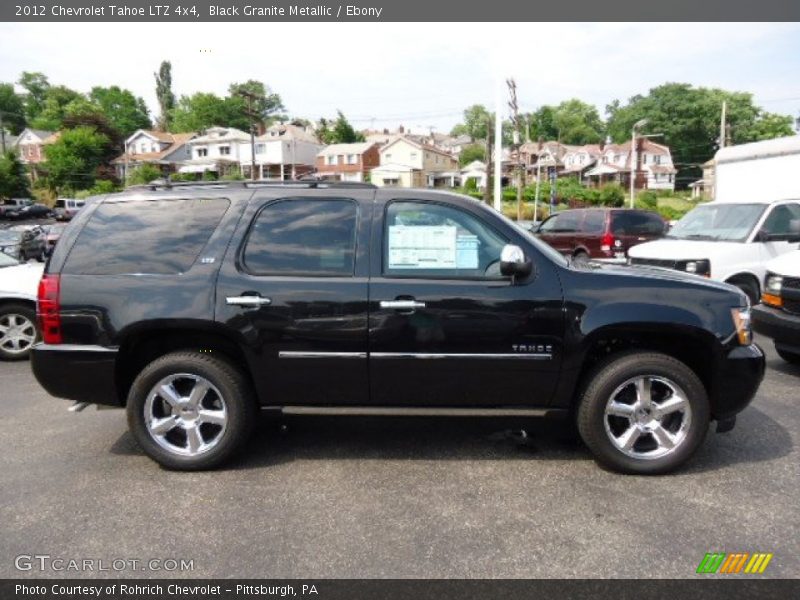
(653, 262)
(792, 283)
(792, 306)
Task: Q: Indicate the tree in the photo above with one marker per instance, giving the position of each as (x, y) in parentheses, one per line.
(203, 110)
(471, 153)
(265, 105)
(477, 120)
(542, 124)
(570, 122)
(166, 99)
(689, 119)
(12, 109)
(56, 100)
(124, 111)
(73, 159)
(35, 85)
(13, 178)
(144, 174)
(339, 131)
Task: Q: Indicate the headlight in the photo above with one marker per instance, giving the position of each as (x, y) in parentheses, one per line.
(772, 290)
(698, 267)
(741, 320)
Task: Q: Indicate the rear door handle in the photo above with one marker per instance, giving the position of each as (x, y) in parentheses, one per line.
(249, 301)
(402, 304)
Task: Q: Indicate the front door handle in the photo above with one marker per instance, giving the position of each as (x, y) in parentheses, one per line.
(249, 301)
(402, 304)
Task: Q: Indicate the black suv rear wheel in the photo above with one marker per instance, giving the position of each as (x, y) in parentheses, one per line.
(643, 413)
(190, 411)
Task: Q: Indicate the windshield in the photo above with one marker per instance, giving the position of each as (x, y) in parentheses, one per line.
(10, 236)
(725, 222)
(7, 261)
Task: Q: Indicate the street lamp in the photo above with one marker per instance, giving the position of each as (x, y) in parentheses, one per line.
(637, 125)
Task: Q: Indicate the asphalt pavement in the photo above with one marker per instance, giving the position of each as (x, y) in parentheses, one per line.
(357, 497)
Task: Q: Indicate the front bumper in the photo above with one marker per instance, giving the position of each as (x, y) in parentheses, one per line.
(779, 325)
(736, 381)
(75, 372)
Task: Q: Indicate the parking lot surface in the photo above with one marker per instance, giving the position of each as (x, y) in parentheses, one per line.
(357, 497)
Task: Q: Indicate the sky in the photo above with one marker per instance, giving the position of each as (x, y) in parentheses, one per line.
(420, 75)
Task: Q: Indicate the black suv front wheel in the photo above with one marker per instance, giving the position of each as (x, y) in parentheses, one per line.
(643, 413)
(190, 411)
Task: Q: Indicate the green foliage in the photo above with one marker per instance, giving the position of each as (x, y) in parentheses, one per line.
(612, 194)
(100, 188)
(647, 199)
(54, 109)
(124, 111)
(13, 178)
(235, 174)
(209, 176)
(571, 122)
(471, 153)
(166, 98)
(73, 159)
(144, 174)
(477, 120)
(339, 131)
(471, 185)
(183, 177)
(203, 110)
(35, 85)
(689, 118)
(12, 108)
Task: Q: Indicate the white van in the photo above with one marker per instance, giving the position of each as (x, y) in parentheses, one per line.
(778, 316)
(731, 242)
(755, 217)
(66, 208)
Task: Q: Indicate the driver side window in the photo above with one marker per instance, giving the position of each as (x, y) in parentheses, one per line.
(431, 240)
(780, 219)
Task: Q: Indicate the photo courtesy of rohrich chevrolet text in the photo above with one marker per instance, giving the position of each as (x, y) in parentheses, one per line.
(399, 300)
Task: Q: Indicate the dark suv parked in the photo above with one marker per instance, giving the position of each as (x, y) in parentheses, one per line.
(600, 233)
(194, 306)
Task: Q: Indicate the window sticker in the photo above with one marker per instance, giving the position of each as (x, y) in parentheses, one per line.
(467, 251)
(422, 247)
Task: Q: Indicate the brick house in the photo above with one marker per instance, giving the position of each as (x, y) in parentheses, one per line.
(30, 145)
(348, 162)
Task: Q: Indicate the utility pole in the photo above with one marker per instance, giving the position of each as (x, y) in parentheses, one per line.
(722, 128)
(252, 114)
(634, 158)
(486, 192)
(498, 150)
(519, 167)
(2, 132)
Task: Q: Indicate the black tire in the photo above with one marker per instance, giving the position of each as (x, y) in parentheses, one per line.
(610, 375)
(790, 357)
(233, 386)
(580, 258)
(26, 312)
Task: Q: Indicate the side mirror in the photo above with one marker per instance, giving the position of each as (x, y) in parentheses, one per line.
(513, 263)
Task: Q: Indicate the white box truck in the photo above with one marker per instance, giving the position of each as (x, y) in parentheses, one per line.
(753, 218)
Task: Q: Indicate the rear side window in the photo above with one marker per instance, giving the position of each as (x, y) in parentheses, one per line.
(303, 237)
(162, 237)
(594, 222)
(563, 223)
(636, 223)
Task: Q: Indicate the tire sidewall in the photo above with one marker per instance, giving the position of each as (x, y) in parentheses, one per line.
(30, 314)
(226, 378)
(613, 374)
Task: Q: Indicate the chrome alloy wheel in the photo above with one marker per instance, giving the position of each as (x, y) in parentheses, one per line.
(647, 417)
(185, 414)
(17, 333)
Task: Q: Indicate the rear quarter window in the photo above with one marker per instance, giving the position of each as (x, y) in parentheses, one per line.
(636, 223)
(150, 236)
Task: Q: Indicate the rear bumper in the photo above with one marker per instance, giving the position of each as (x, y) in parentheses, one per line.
(778, 325)
(81, 373)
(737, 379)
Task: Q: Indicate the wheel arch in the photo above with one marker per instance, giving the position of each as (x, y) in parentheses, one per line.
(139, 348)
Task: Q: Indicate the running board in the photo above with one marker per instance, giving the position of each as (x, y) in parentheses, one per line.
(417, 411)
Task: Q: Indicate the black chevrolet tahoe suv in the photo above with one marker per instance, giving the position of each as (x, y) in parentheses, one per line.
(193, 306)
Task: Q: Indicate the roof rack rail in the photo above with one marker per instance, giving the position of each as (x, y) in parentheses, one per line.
(308, 183)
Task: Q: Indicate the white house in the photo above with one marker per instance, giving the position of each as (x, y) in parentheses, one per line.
(144, 146)
(654, 167)
(218, 150)
(475, 170)
(282, 152)
(436, 167)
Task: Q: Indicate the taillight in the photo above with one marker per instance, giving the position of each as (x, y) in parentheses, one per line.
(606, 242)
(49, 308)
